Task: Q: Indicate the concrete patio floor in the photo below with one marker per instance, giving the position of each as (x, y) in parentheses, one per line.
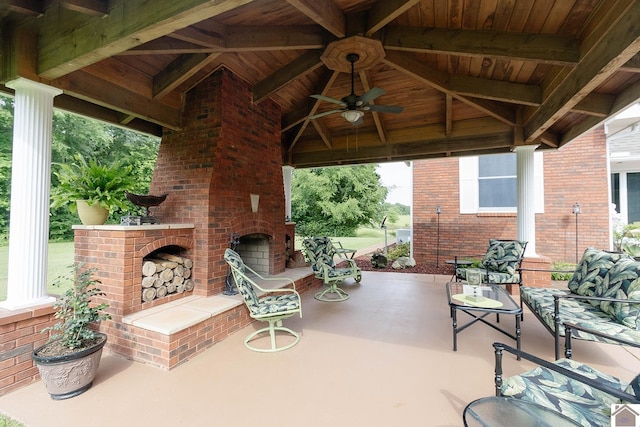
(382, 358)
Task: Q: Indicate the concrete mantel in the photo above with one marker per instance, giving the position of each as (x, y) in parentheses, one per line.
(117, 227)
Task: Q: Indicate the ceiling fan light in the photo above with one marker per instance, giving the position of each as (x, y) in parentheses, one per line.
(352, 116)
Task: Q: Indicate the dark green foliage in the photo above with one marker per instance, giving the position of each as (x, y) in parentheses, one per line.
(564, 270)
(74, 135)
(76, 311)
(337, 200)
(92, 181)
(401, 250)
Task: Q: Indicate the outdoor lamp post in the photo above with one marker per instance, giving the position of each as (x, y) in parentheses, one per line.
(438, 212)
(576, 211)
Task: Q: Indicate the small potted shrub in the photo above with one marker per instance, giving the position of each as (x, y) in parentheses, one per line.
(69, 360)
(91, 188)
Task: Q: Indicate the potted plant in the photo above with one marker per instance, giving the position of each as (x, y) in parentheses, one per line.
(91, 188)
(69, 360)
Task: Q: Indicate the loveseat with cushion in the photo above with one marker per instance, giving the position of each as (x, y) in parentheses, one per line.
(573, 389)
(601, 302)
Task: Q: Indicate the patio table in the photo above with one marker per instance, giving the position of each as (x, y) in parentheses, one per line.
(499, 411)
(491, 299)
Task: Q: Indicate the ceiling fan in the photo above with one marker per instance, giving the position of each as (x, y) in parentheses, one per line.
(354, 106)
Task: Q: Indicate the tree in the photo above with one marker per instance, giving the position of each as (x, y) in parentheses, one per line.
(73, 134)
(336, 200)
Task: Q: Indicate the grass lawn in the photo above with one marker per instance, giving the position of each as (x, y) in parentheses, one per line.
(61, 254)
(60, 263)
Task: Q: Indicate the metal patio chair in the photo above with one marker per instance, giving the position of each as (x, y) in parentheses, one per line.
(320, 253)
(272, 307)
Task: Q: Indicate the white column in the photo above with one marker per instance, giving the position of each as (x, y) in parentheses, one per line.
(287, 172)
(526, 197)
(30, 185)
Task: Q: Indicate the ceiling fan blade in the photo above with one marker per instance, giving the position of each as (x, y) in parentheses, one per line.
(372, 94)
(385, 108)
(326, 98)
(326, 113)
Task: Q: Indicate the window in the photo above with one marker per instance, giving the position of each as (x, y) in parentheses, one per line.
(489, 183)
(497, 186)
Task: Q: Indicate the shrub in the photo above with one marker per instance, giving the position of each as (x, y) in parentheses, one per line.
(403, 249)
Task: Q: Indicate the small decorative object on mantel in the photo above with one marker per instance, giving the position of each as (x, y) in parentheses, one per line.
(145, 201)
(130, 220)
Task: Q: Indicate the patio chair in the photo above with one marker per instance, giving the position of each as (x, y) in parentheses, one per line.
(272, 307)
(320, 253)
(571, 388)
(500, 264)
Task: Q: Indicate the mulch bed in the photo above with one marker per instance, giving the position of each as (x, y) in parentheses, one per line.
(364, 262)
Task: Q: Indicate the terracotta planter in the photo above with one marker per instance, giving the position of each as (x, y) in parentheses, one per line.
(91, 214)
(72, 374)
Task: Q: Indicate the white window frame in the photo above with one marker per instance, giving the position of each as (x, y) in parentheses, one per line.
(469, 186)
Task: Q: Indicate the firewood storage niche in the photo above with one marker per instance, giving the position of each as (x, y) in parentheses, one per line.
(165, 272)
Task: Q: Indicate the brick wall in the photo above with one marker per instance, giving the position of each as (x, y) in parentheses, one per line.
(228, 148)
(575, 173)
(20, 334)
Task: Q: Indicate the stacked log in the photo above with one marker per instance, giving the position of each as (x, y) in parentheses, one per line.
(165, 274)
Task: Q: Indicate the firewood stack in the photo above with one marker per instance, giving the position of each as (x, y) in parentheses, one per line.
(165, 274)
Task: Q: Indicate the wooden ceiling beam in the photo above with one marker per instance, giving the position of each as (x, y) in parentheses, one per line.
(323, 87)
(240, 39)
(212, 38)
(441, 81)
(26, 7)
(89, 7)
(385, 11)
(88, 87)
(297, 68)
(632, 65)
(616, 45)
(300, 114)
(421, 149)
(541, 48)
(130, 23)
(625, 99)
(179, 71)
(324, 132)
(253, 39)
(366, 84)
(323, 12)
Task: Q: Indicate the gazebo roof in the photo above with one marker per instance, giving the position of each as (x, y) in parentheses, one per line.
(473, 77)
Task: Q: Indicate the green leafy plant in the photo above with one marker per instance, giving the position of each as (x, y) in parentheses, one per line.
(76, 311)
(401, 250)
(92, 181)
(562, 270)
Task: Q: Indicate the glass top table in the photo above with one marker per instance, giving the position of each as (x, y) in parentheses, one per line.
(479, 303)
(496, 411)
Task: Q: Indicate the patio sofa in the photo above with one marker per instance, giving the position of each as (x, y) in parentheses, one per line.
(601, 302)
(575, 390)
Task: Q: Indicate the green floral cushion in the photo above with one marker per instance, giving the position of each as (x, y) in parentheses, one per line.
(576, 400)
(504, 256)
(540, 301)
(589, 275)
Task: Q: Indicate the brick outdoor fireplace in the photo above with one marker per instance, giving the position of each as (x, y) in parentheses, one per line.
(226, 157)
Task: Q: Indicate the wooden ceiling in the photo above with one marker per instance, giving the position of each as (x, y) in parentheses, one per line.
(473, 76)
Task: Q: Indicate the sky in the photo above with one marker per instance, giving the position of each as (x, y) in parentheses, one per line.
(397, 178)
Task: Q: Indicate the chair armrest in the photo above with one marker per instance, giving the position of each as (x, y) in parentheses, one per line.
(342, 251)
(592, 298)
(569, 326)
(288, 281)
(500, 348)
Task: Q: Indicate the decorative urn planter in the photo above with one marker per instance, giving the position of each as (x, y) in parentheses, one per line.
(69, 375)
(91, 214)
